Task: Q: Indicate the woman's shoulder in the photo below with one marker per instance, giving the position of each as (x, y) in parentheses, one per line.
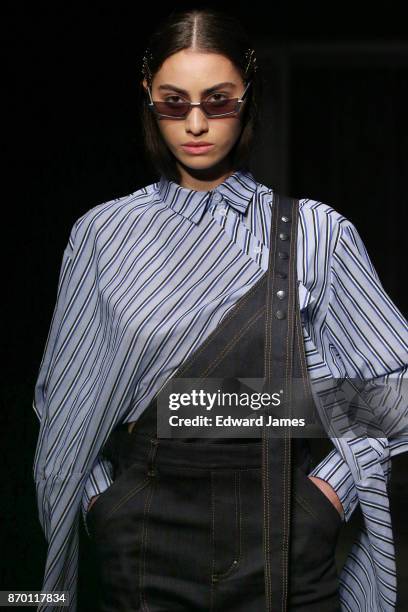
(321, 217)
(113, 211)
(315, 216)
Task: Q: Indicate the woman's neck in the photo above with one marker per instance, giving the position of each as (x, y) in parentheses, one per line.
(203, 180)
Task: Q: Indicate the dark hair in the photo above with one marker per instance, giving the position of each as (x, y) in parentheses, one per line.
(211, 30)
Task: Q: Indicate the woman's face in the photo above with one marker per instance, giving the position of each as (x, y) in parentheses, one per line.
(194, 72)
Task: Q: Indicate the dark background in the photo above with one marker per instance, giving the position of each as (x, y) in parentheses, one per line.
(335, 130)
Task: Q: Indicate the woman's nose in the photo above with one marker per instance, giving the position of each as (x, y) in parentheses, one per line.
(196, 120)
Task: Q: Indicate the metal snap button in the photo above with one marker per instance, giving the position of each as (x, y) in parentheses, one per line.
(285, 219)
(282, 255)
(280, 314)
(283, 236)
(281, 294)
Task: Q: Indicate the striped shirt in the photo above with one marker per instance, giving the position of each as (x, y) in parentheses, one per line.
(145, 278)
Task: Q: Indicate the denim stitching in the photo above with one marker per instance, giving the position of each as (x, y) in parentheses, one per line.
(239, 516)
(265, 447)
(285, 451)
(212, 510)
(264, 439)
(227, 349)
(126, 498)
(238, 526)
(147, 505)
(154, 442)
(146, 511)
(289, 370)
(285, 448)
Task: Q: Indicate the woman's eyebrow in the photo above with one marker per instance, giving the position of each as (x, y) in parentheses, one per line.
(208, 90)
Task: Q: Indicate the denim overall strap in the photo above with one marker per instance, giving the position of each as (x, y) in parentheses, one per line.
(282, 364)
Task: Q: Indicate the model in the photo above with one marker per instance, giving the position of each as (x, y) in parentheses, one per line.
(209, 274)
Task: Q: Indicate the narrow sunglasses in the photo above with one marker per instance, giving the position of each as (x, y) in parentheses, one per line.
(211, 108)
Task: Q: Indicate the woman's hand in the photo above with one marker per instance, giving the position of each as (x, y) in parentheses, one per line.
(328, 490)
(92, 501)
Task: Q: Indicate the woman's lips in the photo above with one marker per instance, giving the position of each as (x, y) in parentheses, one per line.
(197, 150)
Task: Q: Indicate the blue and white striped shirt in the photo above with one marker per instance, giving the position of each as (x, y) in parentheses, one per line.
(145, 278)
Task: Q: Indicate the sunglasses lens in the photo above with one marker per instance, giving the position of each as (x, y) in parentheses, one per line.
(220, 107)
(172, 109)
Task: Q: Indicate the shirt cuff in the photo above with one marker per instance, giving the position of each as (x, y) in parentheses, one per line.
(334, 470)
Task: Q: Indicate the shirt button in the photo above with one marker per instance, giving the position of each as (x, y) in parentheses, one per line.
(257, 249)
(280, 314)
(217, 197)
(223, 212)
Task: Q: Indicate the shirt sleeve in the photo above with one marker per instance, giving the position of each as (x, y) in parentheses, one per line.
(370, 338)
(46, 361)
(48, 357)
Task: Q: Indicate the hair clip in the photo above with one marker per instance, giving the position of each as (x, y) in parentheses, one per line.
(146, 71)
(250, 61)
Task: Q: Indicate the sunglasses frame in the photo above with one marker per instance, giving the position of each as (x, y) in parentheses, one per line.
(152, 106)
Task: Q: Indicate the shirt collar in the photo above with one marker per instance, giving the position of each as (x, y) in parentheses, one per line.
(236, 190)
